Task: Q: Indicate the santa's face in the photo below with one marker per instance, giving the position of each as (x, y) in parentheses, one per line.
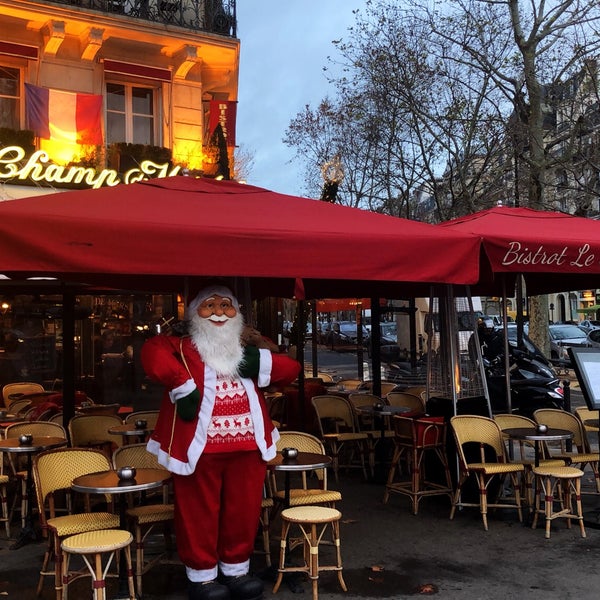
(217, 309)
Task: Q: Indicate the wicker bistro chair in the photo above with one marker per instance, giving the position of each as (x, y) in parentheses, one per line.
(581, 454)
(18, 470)
(415, 437)
(91, 431)
(146, 517)
(150, 416)
(416, 405)
(492, 463)
(53, 472)
(20, 387)
(20, 406)
(338, 431)
(583, 413)
(306, 494)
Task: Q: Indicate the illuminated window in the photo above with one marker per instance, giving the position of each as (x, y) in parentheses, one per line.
(10, 97)
(131, 114)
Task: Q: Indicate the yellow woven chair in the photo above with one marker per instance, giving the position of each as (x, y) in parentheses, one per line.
(525, 449)
(91, 431)
(18, 470)
(583, 413)
(491, 463)
(95, 544)
(581, 454)
(339, 433)
(386, 387)
(150, 416)
(53, 472)
(20, 387)
(146, 517)
(312, 522)
(20, 406)
(411, 401)
(306, 494)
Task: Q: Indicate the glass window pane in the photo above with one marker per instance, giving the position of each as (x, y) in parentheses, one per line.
(115, 97)
(9, 114)
(115, 128)
(142, 101)
(143, 130)
(9, 82)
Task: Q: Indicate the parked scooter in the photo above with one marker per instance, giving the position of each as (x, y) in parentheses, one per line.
(533, 383)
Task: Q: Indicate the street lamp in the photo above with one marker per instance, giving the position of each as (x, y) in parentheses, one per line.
(333, 174)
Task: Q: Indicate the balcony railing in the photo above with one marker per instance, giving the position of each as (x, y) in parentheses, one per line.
(212, 16)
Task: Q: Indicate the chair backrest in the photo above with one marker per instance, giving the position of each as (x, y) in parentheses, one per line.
(100, 409)
(334, 414)
(351, 384)
(386, 387)
(277, 405)
(20, 387)
(419, 433)
(482, 431)
(561, 419)
(583, 413)
(19, 406)
(36, 428)
(509, 421)
(414, 403)
(54, 470)
(135, 455)
(304, 442)
(85, 430)
(416, 390)
(150, 416)
(57, 418)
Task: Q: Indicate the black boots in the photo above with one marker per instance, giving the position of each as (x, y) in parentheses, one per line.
(209, 590)
(242, 587)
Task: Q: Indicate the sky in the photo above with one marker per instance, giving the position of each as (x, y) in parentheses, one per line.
(284, 47)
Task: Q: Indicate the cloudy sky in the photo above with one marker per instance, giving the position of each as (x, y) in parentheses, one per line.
(284, 47)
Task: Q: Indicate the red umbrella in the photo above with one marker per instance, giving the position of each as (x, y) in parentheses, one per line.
(150, 235)
(554, 251)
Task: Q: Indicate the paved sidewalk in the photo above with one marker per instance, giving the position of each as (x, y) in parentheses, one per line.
(390, 553)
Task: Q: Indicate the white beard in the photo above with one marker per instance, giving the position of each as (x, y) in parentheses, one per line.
(219, 346)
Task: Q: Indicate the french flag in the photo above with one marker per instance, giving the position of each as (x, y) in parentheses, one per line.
(64, 116)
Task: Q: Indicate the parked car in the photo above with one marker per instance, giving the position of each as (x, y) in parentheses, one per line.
(561, 337)
(588, 325)
(343, 335)
(594, 338)
(389, 349)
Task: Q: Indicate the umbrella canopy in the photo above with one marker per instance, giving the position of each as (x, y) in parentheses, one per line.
(554, 251)
(152, 234)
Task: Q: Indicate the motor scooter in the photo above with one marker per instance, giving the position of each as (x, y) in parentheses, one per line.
(533, 383)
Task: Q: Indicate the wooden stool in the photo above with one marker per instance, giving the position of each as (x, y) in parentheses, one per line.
(309, 519)
(566, 482)
(97, 543)
(417, 437)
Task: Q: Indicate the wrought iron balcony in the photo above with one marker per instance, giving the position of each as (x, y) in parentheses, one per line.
(212, 16)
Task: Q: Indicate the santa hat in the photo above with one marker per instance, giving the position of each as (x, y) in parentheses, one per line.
(207, 292)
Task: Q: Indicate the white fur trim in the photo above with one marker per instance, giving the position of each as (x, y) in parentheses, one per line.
(265, 368)
(234, 570)
(201, 575)
(183, 390)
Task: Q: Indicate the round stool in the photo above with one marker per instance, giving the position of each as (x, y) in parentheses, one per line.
(312, 522)
(97, 543)
(565, 482)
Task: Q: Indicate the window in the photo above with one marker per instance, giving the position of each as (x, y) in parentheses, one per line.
(10, 97)
(131, 114)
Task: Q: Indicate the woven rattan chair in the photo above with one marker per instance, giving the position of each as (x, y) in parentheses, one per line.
(490, 464)
(583, 413)
(416, 438)
(146, 517)
(20, 406)
(91, 431)
(411, 401)
(18, 470)
(53, 472)
(312, 522)
(305, 494)
(150, 416)
(581, 454)
(338, 431)
(95, 544)
(19, 387)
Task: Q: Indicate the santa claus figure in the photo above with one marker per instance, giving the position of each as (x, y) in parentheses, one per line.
(215, 435)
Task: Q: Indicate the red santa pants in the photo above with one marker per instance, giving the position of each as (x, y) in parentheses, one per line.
(217, 512)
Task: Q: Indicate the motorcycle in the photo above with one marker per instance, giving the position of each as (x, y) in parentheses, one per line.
(533, 383)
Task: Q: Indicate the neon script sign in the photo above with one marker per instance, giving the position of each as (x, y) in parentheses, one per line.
(38, 168)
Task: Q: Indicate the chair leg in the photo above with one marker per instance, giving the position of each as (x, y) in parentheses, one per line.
(482, 500)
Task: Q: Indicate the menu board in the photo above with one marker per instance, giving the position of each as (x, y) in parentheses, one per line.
(586, 362)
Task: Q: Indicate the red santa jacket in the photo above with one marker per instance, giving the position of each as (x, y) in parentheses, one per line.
(178, 444)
